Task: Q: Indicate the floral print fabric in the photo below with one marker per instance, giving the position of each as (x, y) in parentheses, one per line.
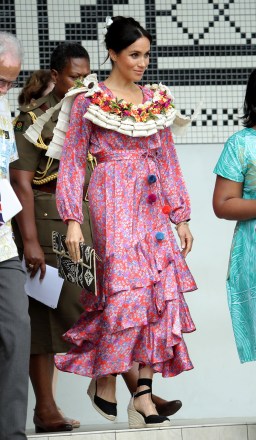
(141, 313)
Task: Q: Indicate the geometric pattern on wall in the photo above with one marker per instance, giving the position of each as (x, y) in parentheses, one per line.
(202, 49)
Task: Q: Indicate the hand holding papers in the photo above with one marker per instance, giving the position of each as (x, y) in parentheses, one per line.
(47, 290)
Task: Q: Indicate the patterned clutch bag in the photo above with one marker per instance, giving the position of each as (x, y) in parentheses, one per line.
(83, 273)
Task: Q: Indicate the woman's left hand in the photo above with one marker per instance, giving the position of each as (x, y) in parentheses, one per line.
(186, 238)
(74, 237)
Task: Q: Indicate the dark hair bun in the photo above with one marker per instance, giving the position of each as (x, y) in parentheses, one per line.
(123, 32)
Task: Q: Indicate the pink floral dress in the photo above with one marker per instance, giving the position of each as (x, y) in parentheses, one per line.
(135, 192)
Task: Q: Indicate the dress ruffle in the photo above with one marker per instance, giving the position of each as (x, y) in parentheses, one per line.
(146, 263)
(156, 314)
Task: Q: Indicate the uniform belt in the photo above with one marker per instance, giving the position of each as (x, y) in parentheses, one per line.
(49, 187)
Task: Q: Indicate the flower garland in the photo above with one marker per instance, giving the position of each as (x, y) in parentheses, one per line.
(161, 102)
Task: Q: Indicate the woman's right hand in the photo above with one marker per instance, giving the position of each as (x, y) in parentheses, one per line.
(74, 237)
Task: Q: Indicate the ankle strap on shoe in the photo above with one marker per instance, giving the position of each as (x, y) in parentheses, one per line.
(140, 393)
(147, 382)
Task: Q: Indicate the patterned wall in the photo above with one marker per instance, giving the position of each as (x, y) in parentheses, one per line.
(203, 49)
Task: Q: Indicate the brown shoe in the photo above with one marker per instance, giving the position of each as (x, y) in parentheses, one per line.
(168, 408)
(55, 426)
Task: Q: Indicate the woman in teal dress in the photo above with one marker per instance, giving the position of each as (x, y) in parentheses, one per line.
(235, 199)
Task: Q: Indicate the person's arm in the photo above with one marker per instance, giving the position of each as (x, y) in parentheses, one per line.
(33, 253)
(71, 175)
(228, 202)
(232, 168)
(175, 190)
(22, 172)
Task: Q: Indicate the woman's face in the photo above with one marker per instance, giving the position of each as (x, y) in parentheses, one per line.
(132, 62)
(75, 68)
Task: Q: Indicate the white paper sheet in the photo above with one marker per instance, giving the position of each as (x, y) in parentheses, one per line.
(46, 291)
(9, 201)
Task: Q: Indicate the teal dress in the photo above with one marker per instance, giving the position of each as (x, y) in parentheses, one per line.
(238, 163)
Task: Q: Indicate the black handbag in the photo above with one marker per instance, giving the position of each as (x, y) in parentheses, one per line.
(82, 273)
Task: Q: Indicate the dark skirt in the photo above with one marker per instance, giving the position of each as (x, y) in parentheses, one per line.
(47, 324)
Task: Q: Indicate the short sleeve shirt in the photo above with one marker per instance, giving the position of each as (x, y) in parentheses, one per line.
(237, 161)
(8, 153)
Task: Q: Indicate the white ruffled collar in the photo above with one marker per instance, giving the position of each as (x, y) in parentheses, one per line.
(155, 113)
(120, 122)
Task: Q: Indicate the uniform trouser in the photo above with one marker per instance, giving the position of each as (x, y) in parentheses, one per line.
(14, 351)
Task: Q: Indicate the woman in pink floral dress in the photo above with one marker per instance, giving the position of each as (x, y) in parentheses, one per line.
(135, 193)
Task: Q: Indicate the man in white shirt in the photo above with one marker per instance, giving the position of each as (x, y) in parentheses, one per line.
(14, 318)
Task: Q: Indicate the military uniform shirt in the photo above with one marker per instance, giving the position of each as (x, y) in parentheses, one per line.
(31, 157)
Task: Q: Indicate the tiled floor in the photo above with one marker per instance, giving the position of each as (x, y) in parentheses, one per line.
(216, 429)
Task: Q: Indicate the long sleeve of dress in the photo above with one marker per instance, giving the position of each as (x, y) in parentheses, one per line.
(172, 181)
(71, 176)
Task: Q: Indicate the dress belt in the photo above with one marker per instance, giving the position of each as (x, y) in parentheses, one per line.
(126, 155)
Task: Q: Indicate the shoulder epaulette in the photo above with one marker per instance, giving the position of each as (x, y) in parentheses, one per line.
(34, 104)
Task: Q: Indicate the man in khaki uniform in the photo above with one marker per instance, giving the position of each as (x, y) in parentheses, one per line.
(32, 159)
(34, 179)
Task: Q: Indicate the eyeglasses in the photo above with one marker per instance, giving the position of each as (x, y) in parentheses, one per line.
(8, 84)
